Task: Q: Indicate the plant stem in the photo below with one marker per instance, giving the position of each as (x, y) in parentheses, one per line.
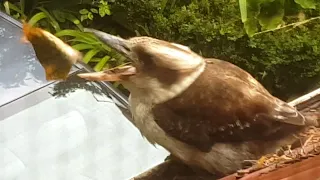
(289, 25)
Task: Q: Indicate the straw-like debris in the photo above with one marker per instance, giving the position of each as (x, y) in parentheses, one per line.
(309, 147)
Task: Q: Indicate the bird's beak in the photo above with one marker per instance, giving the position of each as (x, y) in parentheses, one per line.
(115, 74)
(117, 43)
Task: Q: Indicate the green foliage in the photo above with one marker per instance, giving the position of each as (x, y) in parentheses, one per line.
(285, 60)
(267, 14)
(88, 44)
(65, 21)
(311, 4)
(277, 41)
(102, 9)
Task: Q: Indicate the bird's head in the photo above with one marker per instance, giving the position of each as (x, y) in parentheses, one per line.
(158, 68)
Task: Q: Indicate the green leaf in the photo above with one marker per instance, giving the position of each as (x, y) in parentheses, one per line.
(87, 57)
(145, 29)
(59, 15)
(36, 18)
(90, 16)
(11, 6)
(22, 5)
(84, 11)
(100, 65)
(53, 21)
(251, 27)
(73, 19)
(103, 2)
(102, 12)
(163, 4)
(271, 14)
(94, 10)
(83, 17)
(81, 40)
(68, 32)
(95, 60)
(6, 7)
(307, 4)
(105, 47)
(243, 10)
(107, 11)
(79, 36)
(250, 18)
(17, 15)
(83, 46)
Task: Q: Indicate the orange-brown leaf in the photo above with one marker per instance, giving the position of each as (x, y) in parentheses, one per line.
(55, 56)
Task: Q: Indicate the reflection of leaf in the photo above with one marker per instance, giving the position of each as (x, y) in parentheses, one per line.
(72, 83)
(271, 14)
(308, 4)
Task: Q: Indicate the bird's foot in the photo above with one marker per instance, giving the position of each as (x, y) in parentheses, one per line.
(252, 165)
(255, 163)
(305, 143)
(290, 151)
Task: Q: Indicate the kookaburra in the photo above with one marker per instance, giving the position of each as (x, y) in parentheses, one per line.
(208, 113)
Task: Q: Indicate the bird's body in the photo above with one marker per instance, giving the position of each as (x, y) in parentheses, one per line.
(206, 112)
(202, 143)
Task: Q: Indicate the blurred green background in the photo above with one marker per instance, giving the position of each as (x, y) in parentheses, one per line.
(277, 41)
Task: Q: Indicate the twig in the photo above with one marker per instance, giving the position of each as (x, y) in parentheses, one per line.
(288, 25)
(308, 140)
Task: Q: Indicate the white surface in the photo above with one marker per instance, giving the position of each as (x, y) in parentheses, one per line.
(73, 139)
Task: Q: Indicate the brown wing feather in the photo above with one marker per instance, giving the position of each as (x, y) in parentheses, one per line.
(226, 104)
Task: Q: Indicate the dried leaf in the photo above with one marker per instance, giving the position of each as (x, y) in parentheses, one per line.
(55, 56)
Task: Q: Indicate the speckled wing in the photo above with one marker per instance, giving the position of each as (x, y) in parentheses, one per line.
(226, 104)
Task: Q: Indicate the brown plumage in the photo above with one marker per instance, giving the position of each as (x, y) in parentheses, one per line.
(207, 112)
(202, 117)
